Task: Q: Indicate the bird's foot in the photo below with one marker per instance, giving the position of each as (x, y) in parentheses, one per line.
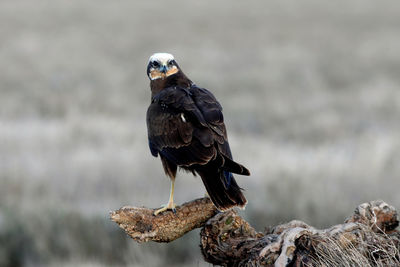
(169, 206)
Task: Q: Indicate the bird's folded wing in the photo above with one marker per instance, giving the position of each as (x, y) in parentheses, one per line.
(184, 124)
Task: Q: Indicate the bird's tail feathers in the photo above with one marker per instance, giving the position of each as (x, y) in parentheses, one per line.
(224, 197)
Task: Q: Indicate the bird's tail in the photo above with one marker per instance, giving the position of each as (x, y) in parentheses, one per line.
(222, 188)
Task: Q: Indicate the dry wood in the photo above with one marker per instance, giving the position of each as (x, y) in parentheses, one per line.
(142, 225)
(368, 236)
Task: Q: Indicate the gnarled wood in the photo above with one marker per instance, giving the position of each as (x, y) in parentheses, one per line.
(142, 225)
(367, 238)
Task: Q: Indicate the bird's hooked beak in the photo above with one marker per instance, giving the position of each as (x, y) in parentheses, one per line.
(164, 68)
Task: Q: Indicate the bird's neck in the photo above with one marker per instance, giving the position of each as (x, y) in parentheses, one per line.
(177, 79)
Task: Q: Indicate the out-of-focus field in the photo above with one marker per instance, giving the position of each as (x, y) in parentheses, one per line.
(311, 96)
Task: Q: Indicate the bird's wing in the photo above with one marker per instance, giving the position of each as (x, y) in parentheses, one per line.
(212, 113)
(177, 128)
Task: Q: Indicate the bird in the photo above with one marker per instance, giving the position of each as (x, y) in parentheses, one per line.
(186, 129)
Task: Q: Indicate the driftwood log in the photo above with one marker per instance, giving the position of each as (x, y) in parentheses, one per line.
(367, 238)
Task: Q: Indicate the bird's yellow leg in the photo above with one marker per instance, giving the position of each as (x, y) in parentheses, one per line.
(171, 205)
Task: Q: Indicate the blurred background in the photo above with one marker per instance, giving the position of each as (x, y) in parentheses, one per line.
(311, 97)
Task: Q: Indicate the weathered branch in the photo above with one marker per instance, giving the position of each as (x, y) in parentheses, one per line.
(143, 226)
(367, 238)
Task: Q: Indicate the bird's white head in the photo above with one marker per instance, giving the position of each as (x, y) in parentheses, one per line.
(161, 57)
(161, 65)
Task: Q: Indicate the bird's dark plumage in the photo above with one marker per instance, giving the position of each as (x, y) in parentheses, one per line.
(186, 128)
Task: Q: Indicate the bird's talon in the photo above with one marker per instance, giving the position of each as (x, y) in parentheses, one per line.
(169, 206)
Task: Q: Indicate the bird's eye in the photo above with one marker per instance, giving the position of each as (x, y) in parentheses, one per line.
(156, 64)
(171, 62)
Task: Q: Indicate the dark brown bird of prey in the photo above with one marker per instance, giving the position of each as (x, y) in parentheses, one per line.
(186, 128)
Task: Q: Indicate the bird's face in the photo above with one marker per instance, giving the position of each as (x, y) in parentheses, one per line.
(161, 65)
